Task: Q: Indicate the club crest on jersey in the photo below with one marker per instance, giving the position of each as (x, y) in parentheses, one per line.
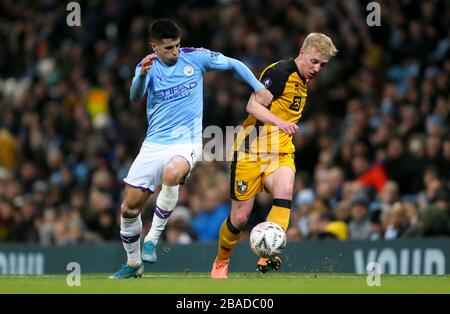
(267, 82)
(242, 186)
(188, 70)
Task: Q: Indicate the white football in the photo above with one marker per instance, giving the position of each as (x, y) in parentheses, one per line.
(267, 239)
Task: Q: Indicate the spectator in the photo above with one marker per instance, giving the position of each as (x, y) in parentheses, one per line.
(360, 227)
(213, 212)
(398, 225)
(434, 218)
(303, 207)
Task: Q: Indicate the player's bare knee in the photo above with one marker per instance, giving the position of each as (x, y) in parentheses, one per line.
(128, 212)
(284, 192)
(239, 219)
(173, 175)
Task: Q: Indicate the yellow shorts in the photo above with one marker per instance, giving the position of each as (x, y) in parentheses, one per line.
(247, 172)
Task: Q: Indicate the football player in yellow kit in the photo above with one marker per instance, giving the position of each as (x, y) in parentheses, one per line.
(263, 153)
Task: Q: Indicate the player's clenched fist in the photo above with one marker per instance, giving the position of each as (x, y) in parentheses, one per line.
(264, 97)
(147, 63)
(288, 127)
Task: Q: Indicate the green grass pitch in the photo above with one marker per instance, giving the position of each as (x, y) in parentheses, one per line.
(237, 283)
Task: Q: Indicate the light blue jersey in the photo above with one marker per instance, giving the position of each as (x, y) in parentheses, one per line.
(175, 94)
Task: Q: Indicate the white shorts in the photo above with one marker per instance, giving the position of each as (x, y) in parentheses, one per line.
(147, 169)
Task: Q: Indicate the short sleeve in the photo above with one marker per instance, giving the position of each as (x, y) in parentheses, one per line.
(274, 80)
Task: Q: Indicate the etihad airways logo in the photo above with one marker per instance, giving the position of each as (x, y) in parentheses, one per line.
(179, 90)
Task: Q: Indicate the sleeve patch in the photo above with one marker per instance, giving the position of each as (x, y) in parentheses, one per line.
(267, 82)
(275, 81)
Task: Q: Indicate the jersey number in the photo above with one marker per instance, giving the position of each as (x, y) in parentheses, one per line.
(296, 103)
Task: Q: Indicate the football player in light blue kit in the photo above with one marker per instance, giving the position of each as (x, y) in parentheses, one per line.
(172, 79)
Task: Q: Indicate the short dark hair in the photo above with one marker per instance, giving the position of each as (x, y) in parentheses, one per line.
(164, 29)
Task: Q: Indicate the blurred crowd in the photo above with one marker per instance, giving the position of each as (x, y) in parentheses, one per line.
(372, 150)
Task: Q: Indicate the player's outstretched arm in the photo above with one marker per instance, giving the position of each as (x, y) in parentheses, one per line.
(217, 61)
(264, 96)
(137, 89)
(261, 113)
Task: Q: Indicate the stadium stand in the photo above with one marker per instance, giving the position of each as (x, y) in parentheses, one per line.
(373, 148)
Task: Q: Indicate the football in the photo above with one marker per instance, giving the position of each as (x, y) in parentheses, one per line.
(267, 239)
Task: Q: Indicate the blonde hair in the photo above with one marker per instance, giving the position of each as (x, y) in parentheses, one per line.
(321, 42)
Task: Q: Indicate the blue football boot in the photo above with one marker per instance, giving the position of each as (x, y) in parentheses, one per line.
(127, 271)
(149, 252)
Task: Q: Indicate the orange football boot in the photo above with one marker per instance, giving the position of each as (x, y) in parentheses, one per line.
(220, 270)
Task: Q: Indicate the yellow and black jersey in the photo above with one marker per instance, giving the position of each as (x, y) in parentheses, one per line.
(289, 90)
